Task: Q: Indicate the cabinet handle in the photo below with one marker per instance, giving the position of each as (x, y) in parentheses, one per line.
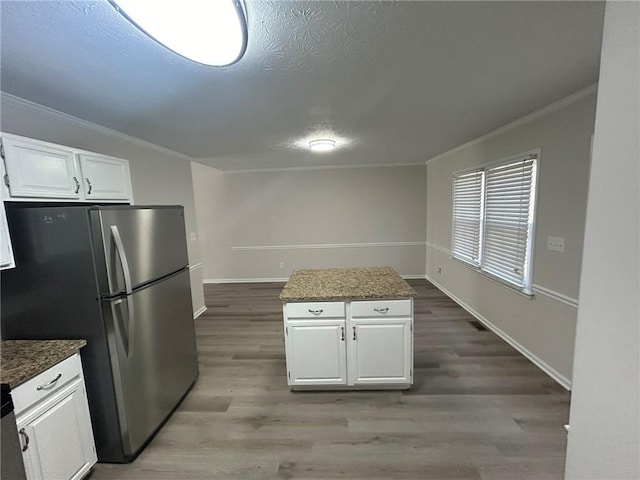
(44, 386)
(75, 179)
(342, 331)
(316, 312)
(90, 186)
(354, 333)
(23, 434)
(381, 310)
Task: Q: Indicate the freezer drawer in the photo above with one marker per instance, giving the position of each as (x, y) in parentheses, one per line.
(137, 245)
(152, 348)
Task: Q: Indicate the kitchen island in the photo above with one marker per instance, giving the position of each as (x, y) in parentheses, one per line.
(348, 328)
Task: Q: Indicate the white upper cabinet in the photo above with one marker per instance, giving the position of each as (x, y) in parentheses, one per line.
(39, 171)
(36, 169)
(105, 178)
(6, 252)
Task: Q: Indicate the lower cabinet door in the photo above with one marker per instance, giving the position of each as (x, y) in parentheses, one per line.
(380, 352)
(316, 353)
(56, 439)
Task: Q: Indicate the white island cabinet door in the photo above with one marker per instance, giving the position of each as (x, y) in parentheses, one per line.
(316, 353)
(380, 351)
(57, 438)
(105, 178)
(40, 170)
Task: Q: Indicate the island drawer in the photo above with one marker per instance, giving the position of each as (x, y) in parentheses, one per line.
(381, 308)
(45, 383)
(315, 310)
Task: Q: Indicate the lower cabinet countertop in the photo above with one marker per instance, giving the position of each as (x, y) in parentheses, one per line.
(21, 360)
(334, 284)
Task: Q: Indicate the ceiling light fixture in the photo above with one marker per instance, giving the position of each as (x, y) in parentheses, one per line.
(211, 32)
(322, 145)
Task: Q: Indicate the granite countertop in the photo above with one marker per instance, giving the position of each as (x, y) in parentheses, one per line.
(21, 360)
(345, 284)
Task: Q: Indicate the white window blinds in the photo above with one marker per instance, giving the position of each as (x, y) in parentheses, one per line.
(467, 216)
(493, 219)
(508, 221)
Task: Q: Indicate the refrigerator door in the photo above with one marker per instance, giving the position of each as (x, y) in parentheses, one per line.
(152, 347)
(137, 245)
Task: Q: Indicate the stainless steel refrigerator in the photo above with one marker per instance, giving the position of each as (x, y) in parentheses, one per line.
(117, 276)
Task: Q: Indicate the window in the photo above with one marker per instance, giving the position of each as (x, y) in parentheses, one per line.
(493, 219)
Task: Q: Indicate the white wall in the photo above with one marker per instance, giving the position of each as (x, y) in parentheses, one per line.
(542, 328)
(604, 435)
(158, 176)
(251, 222)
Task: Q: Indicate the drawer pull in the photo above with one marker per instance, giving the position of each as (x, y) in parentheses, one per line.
(381, 310)
(316, 312)
(354, 333)
(50, 384)
(25, 445)
(89, 185)
(342, 330)
(75, 179)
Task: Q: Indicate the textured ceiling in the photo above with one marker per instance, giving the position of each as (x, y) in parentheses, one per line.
(394, 82)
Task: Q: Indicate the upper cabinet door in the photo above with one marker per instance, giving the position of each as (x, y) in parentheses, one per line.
(40, 170)
(6, 252)
(105, 178)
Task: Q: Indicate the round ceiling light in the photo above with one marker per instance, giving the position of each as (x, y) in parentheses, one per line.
(322, 145)
(211, 32)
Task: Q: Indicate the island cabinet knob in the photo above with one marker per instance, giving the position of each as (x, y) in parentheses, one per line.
(316, 312)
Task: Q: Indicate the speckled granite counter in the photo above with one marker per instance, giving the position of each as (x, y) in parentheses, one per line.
(21, 360)
(345, 284)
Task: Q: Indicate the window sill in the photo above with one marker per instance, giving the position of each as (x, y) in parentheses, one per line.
(502, 283)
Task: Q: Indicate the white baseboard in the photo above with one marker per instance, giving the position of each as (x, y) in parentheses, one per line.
(244, 280)
(544, 366)
(279, 279)
(199, 312)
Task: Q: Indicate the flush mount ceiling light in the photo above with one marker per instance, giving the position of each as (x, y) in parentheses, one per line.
(322, 145)
(211, 32)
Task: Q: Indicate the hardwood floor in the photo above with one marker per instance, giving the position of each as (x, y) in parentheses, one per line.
(478, 409)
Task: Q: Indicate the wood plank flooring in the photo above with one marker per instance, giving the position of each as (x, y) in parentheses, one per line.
(478, 409)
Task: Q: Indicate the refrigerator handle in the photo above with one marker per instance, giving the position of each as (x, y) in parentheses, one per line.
(124, 332)
(123, 258)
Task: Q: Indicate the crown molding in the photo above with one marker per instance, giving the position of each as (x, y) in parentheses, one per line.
(553, 107)
(319, 167)
(19, 102)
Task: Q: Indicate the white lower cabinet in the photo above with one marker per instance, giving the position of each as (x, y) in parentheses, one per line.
(55, 428)
(317, 352)
(361, 347)
(380, 352)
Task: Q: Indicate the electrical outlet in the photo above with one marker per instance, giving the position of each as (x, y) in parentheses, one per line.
(555, 243)
(192, 236)
(281, 265)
